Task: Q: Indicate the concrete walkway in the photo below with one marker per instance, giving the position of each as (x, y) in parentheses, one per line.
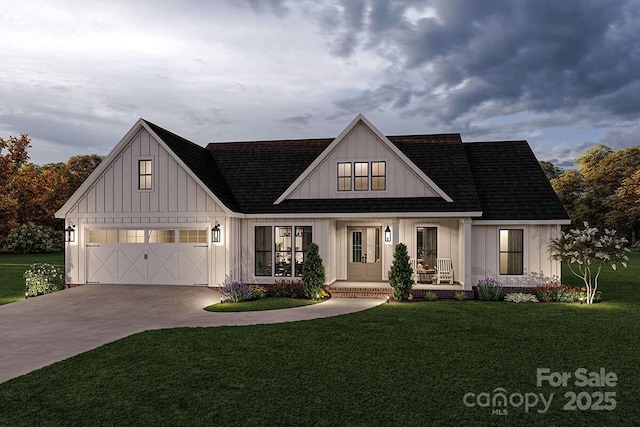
(43, 330)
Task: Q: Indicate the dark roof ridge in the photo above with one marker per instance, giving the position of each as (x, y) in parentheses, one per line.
(200, 161)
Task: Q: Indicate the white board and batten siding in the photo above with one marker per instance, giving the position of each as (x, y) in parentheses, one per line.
(485, 248)
(362, 145)
(176, 201)
(448, 239)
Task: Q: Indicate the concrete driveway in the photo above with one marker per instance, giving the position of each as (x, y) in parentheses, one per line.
(43, 330)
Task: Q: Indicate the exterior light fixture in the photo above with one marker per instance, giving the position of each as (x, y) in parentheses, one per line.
(215, 233)
(70, 233)
(387, 235)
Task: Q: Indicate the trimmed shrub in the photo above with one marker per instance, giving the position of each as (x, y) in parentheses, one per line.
(431, 296)
(287, 288)
(489, 289)
(313, 275)
(43, 278)
(545, 293)
(400, 275)
(258, 292)
(236, 292)
(460, 296)
(519, 297)
(32, 239)
(564, 293)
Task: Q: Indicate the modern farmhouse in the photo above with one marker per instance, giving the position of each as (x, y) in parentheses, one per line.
(163, 210)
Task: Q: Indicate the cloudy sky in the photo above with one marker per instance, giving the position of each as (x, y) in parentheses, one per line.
(76, 75)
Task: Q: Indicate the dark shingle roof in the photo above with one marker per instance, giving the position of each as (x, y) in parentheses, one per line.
(511, 183)
(501, 179)
(271, 166)
(199, 160)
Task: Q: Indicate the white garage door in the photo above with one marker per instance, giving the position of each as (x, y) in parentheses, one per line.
(149, 256)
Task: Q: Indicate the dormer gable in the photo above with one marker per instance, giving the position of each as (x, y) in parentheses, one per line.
(362, 163)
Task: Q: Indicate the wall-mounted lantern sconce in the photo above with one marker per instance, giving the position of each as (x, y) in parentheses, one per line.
(70, 233)
(387, 235)
(215, 233)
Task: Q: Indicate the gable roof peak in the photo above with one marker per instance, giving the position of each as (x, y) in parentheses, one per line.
(361, 119)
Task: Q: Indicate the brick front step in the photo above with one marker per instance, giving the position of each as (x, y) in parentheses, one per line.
(382, 293)
(379, 293)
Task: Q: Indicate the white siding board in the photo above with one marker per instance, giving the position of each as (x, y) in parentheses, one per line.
(361, 145)
(117, 185)
(126, 180)
(536, 240)
(108, 190)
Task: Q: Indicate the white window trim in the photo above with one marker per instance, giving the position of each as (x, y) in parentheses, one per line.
(369, 162)
(136, 174)
(525, 248)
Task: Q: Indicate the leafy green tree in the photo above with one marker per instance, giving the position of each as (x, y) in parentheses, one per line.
(400, 276)
(31, 193)
(79, 168)
(313, 274)
(625, 206)
(550, 170)
(570, 188)
(593, 193)
(13, 155)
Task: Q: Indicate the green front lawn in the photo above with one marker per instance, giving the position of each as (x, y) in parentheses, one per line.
(12, 268)
(396, 364)
(260, 305)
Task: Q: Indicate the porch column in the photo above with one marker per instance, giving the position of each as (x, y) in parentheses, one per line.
(464, 247)
(395, 233)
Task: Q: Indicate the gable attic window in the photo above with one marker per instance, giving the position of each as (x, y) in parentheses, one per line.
(378, 176)
(145, 175)
(361, 176)
(344, 176)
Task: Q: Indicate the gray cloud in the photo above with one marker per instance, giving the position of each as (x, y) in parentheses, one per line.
(502, 57)
(302, 120)
(562, 74)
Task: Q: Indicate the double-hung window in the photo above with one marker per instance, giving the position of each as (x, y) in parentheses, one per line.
(344, 176)
(145, 174)
(362, 176)
(511, 252)
(378, 176)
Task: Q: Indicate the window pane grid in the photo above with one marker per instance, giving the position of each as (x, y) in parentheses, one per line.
(344, 176)
(280, 251)
(144, 175)
(361, 176)
(162, 236)
(193, 236)
(131, 236)
(378, 176)
(102, 236)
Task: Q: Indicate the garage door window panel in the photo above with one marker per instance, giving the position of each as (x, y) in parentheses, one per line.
(130, 236)
(102, 236)
(193, 236)
(162, 236)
